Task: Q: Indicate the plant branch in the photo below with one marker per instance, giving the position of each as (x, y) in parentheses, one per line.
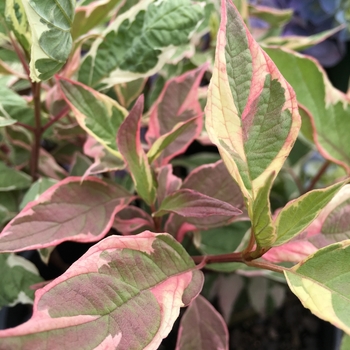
(156, 220)
(26, 126)
(236, 257)
(37, 132)
(266, 266)
(57, 117)
(317, 177)
(251, 243)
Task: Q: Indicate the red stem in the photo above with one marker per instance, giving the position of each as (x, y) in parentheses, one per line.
(236, 257)
(37, 132)
(28, 127)
(60, 115)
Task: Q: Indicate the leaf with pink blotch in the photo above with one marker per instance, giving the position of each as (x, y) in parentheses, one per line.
(69, 210)
(132, 220)
(178, 102)
(123, 293)
(167, 182)
(251, 116)
(202, 328)
(190, 203)
(130, 147)
(215, 181)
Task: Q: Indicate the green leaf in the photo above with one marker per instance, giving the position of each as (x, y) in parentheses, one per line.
(299, 43)
(17, 275)
(345, 343)
(223, 240)
(36, 189)
(15, 107)
(322, 283)
(262, 223)
(328, 107)
(298, 214)
(90, 14)
(80, 165)
(11, 179)
(50, 22)
(140, 41)
(273, 16)
(6, 122)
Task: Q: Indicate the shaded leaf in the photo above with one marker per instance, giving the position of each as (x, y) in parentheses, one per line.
(69, 210)
(190, 203)
(36, 189)
(11, 179)
(17, 275)
(177, 103)
(6, 122)
(299, 43)
(123, 291)
(132, 220)
(90, 14)
(202, 328)
(167, 140)
(167, 182)
(215, 181)
(328, 107)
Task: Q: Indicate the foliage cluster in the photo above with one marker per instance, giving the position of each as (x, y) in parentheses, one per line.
(99, 102)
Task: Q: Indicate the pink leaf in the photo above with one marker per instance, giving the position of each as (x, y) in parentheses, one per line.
(129, 145)
(167, 182)
(124, 293)
(294, 251)
(190, 203)
(104, 161)
(69, 210)
(202, 328)
(215, 181)
(178, 102)
(132, 220)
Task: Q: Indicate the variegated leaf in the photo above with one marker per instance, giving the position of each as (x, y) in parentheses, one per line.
(322, 283)
(177, 103)
(129, 145)
(50, 22)
(125, 292)
(202, 328)
(328, 107)
(140, 41)
(251, 116)
(69, 210)
(99, 115)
